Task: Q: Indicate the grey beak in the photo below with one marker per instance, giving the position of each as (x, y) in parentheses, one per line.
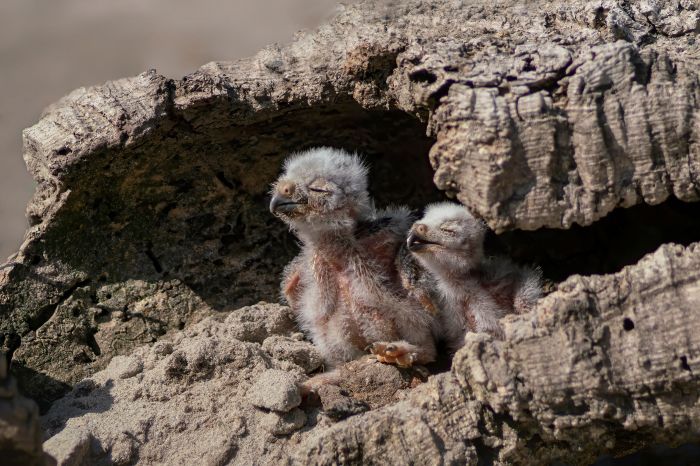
(275, 202)
(415, 242)
(279, 202)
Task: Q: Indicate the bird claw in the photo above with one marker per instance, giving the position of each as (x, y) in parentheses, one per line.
(393, 353)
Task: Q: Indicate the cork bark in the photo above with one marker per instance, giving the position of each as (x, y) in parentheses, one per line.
(603, 365)
(548, 117)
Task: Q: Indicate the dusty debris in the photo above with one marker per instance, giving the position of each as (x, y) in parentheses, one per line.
(276, 390)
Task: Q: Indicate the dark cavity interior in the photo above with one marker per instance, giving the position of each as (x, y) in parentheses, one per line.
(621, 238)
(186, 208)
(192, 203)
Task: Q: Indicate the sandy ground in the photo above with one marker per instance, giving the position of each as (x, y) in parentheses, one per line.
(49, 47)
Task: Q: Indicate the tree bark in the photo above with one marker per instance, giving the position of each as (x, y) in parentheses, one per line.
(150, 210)
(604, 365)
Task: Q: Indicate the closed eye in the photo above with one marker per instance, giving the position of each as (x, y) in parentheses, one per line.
(317, 190)
(448, 230)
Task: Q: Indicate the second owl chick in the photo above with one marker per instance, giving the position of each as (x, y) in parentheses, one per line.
(476, 291)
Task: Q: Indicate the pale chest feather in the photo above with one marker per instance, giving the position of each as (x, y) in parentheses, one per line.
(461, 298)
(333, 302)
(332, 284)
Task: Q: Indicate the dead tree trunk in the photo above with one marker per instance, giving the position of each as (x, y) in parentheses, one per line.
(562, 117)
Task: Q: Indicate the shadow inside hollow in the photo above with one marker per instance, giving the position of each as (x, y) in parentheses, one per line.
(684, 455)
(620, 239)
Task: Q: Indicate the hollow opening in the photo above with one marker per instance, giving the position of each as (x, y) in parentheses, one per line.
(620, 239)
(190, 205)
(193, 206)
(627, 324)
(188, 208)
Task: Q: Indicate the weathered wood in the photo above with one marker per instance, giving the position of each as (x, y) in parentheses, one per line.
(605, 364)
(150, 213)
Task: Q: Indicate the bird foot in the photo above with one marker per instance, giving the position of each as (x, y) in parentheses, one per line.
(400, 353)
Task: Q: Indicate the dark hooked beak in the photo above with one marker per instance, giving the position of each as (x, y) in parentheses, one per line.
(416, 242)
(280, 203)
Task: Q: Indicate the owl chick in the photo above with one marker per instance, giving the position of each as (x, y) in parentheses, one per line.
(344, 286)
(476, 291)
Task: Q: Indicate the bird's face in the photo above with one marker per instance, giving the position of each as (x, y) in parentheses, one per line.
(447, 239)
(318, 202)
(321, 190)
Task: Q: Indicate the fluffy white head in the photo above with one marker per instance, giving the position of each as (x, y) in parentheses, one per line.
(440, 213)
(322, 189)
(448, 239)
(336, 165)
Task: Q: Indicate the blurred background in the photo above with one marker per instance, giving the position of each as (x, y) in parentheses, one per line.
(50, 47)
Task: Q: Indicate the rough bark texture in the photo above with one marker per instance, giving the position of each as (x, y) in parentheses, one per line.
(150, 210)
(595, 369)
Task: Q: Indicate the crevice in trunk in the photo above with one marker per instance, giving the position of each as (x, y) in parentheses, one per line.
(620, 239)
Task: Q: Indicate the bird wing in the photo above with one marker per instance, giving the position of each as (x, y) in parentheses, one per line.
(292, 285)
(418, 283)
(384, 237)
(513, 286)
